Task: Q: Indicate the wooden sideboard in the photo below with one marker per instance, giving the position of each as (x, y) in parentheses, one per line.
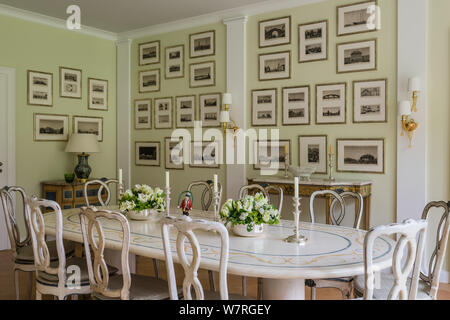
(307, 188)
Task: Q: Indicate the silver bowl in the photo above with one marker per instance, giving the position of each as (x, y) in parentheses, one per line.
(304, 173)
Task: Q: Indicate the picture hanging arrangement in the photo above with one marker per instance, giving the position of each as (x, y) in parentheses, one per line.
(357, 56)
(205, 154)
(360, 155)
(143, 114)
(185, 107)
(98, 94)
(51, 127)
(89, 125)
(264, 107)
(163, 113)
(331, 103)
(149, 53)
(202, 74)
(149, 81)
(40, 88)
(202, 44)
(266, 156)
(312, 151)
(313, 41)
(148, 154)
(358, 18)
(70, 83)
(273, 66)
(275, 32)
(210, 109)
(369, 101)
(296, 105)
(174, 62)
(174, 154)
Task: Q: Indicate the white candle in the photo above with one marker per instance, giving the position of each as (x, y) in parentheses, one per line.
(120, 176)
(296, 187)
(215, 183)
(167, 179)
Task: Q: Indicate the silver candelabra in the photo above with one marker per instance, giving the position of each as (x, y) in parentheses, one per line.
(216, 206)
(296, 237)
(330, 166)
(167, 201)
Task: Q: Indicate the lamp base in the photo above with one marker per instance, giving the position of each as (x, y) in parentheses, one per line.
(83, 170)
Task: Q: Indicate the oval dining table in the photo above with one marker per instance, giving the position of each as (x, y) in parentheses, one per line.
(329, 252)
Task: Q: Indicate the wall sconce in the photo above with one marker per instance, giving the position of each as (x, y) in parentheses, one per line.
(414, 87)
(405, 109)
(227, 122)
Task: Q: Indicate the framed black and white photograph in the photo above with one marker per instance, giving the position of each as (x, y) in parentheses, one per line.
(312, 152)
(205, 154)
(149, 53)
(357, 56)
(40, 88)
(264, 107)
(202, 44)
(369, 101)
(185, 110)
(163, 113)
(331, 103)
(360, 155)
(149, 81)
(148, 154)
(275, 32)
(173, 154)
(272, 154)
(70, 85)
(358, 18)
(210, 109)
(143, 114)
(89, 125)
(174, 62)
(296, 105)
(202, 74)
(98, 94)
(313, 41)
(51, 127)
(274, 66)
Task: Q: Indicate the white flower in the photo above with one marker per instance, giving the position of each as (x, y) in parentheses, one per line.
(262, 211)
(238, 205)
(266, 217)
(225, 211)
(143, 197)
(137, 187)
(243, 216)
(159, 191)
(229, 204)
(126, 206)
(128, 193)
(248, 204)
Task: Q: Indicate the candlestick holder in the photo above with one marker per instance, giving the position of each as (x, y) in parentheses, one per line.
(216, 206)
(121, 189)
(286, 165)
(296, 237)
(330, 166)
(167, 201)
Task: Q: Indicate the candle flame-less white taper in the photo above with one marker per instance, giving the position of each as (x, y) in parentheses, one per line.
(120, 176)
(167, 179)
(296, 187)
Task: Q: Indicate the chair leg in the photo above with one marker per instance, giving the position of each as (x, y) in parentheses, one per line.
(30, 284)
(244, 286)
(16, 283)
(38, 295)
(313, 293)
(212, 281)
(260, 289)
(156, 267)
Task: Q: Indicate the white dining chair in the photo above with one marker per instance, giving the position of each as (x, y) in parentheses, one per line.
(185, 229)
(428, 283)
(104, 185)
(125, 286)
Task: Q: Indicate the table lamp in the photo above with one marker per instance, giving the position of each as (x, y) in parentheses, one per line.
(82, 144)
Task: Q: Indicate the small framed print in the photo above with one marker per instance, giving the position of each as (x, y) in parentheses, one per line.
(70, 83)
(331, 103)
(143, 114)
(202, 44)
(205, 154)
(313, 41)
(369, 101)
(312, 152)
(149, 81)
(275, 32)
(148, 154)
(272, 154)
(185, 107)
(98, 94)
(360, 155)
(149, 53)
(51, 127)
(210, 109)
(357, 56)
(174, 154)
(274, 66)
(174, 62)
(89, 125)
(296, 106)
(202, 74)
(264, 107)
(40, 88)
(358, 18)
(163, 113)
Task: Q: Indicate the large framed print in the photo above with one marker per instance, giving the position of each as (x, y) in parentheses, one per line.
(40, 88)
(174, 62)
(70, 85)
(360, 155)
(163, 113)
(51, 127)
(210, 109)
(148, 154)
(271, 154)
(205, 154)
(313, 41)
(98, 94)
(358, 18)
(149, 53)
(202, 44)
(312, 152)
(369, 101)
(185, 111)
(89, 125)
(275, 66)
(331, 103)
(264, 107)
(143, 114)
(173, 154)
(149, 81)
(202, 74)
(275, 32)
(357, 56)
(296, 106)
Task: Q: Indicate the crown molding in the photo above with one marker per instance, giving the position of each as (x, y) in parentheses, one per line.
(54, 22)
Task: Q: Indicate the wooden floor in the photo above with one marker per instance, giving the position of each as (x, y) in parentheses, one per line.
(145, 266)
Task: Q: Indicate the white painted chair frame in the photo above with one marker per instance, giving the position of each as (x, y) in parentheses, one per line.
(104, 184)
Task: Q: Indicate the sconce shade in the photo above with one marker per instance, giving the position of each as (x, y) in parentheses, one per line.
(415, 84)
(404, 108)
(224, 116)
(79, 143)
(227, 98)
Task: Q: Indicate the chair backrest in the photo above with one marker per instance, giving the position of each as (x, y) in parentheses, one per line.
(104, 184)
(8, 200)
(207, 193)
(37, 232)
(246, 189)
(277, 189)
(411, 235)
(334, 196)
(359, 204)
(94, 239)
(437, 257)
(185, 228)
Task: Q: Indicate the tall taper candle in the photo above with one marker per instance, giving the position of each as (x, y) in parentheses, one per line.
(120, 176)
(167, 179)
(216, 188)
(296, 187)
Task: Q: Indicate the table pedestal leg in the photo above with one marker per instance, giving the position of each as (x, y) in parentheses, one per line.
(275, 289)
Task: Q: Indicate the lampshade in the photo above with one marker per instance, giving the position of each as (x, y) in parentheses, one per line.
(415, 84)
(224, 116)
(79, 143)
(227, 98)
(404, 108)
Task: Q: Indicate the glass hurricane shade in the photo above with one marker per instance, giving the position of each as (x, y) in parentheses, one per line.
(404, 108)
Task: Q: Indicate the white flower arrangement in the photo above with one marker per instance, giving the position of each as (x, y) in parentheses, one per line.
(142, 197)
